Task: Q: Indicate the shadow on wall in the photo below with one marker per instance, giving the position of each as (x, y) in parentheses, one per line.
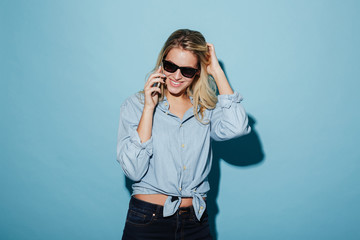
(242, 152)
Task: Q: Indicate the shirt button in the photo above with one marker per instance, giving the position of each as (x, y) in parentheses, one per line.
(180, 125)
(184, 167)
(201, 208)
(182, 145)
(166, 104)
(167, 113)
(180, 189)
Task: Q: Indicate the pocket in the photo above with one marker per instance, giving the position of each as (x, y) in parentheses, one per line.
(205, 217)
(203, 220)
(139, 216)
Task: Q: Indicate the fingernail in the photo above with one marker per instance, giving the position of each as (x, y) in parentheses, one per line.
(164, 75)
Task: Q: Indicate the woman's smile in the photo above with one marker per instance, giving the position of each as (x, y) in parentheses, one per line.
(175, 83)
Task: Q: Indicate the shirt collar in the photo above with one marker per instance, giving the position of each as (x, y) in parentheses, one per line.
(164, 105)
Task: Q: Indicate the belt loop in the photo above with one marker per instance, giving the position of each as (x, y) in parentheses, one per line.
(192, 211)
(159, 210)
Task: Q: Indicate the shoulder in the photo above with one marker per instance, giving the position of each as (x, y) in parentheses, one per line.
(135, 102)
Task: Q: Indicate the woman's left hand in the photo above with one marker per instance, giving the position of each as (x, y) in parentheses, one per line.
(215, 70)
(214, 67)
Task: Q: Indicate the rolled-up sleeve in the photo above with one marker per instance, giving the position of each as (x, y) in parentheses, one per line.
(133, 155)
(229, 119)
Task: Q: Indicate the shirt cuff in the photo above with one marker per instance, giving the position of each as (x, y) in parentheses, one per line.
(225, 100)
(135, 139)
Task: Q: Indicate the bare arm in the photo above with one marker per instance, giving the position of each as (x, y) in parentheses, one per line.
(214, 69)
(145, 125)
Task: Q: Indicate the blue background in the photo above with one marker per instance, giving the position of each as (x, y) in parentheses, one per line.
(66, 66)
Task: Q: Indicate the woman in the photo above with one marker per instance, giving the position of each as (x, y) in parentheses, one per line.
(164, 139)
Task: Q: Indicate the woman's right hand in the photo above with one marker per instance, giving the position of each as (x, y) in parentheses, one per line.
(151, 92)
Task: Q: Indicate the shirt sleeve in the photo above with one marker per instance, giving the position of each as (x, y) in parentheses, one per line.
(229, 119)
(133, 155)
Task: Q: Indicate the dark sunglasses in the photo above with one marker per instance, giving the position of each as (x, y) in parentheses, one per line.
(185, 71)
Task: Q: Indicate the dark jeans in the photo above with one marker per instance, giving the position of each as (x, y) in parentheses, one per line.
(145, 221)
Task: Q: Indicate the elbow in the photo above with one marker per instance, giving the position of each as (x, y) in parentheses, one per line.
(244, 131)
(239, 125)
(237, 130)
(133, 176)
(231, 126)
(131, 169)
(243, 128)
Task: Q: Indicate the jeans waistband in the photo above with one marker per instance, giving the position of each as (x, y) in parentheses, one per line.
(137, 203)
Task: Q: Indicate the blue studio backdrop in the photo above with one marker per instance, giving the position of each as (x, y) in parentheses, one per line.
(66, 66)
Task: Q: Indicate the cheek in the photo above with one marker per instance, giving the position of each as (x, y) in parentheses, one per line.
(192, 81)
(188, 83)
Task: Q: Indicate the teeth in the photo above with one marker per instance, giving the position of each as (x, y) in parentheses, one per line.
(175, 83)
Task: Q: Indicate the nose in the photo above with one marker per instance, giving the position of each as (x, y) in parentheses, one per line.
(177, 74)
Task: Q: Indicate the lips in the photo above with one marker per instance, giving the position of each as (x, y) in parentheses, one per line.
(174, 83)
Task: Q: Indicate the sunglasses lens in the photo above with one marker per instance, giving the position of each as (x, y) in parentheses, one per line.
(169, 67)
(188, 72)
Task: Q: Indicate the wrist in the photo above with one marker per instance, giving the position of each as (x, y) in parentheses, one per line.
(218, 74)
(148, 109)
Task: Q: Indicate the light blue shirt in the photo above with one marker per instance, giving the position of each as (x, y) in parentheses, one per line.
(176, 160)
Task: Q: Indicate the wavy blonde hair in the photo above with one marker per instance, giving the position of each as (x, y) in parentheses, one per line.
(203, 88)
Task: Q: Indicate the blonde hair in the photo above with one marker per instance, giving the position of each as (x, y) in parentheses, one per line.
(203, 87)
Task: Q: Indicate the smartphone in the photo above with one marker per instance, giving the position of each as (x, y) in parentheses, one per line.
(159, 83)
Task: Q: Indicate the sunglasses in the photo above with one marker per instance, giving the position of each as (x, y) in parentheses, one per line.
(185, 71)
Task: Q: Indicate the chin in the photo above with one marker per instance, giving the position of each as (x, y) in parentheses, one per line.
(176, 92)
